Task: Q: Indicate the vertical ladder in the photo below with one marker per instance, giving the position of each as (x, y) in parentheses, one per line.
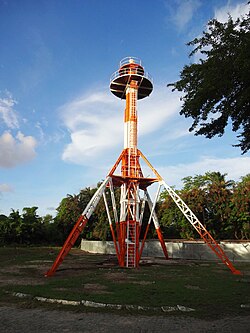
(131, 244)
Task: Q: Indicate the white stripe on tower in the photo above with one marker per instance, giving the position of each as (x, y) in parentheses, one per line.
(130, 119)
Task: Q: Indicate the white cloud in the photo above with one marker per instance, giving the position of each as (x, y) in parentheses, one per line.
(6, 188)
(237, 10)
(39, 128)
(184, 11)
(95, 122)
(155, 111)
(16, 150)
(7, 112)
(234, 167)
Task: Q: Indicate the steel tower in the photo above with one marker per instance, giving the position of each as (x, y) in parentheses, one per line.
(132, 83)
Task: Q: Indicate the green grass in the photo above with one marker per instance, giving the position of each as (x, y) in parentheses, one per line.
(209, 287)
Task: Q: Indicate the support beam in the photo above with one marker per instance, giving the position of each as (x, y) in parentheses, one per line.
(78, 227)
(202, 231)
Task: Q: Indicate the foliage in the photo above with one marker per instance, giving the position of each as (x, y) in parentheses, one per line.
(71, 208)
(222, 206)
(240, 209)
(22, 229)
(217, 88)
(170, 215)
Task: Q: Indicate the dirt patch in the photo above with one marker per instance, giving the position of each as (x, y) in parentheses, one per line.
(121, 277)
(192, 287)
(14, 275)
(11, 269)
(41, 261)
(118, 276)
(143, 283)
(20, 282)
(96, 288)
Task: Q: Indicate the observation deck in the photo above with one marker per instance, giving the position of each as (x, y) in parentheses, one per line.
(130, 70)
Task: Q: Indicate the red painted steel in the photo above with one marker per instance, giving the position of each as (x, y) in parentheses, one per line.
(70, 241)
(131, 82)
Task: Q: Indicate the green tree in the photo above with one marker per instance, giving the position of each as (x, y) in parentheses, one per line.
(216, 90)
(29, 230)
(51, 232)
(218, 207)
(209, 197)
(190, 182)
(174, 223)
(240, 209)
(12, 229)
(70, 210)
(4, 221)
(84, 197)
(68, 213)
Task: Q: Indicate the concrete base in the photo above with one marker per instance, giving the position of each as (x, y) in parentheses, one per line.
(195, 250)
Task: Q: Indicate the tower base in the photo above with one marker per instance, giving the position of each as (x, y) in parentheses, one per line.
(127, 231)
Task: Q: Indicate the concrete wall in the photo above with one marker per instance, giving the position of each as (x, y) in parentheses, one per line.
(196, 250)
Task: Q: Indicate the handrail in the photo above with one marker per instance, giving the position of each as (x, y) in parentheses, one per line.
(130, 71)
(128, 60)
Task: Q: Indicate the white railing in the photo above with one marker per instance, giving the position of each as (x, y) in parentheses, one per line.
(131, 71)
(129, 60)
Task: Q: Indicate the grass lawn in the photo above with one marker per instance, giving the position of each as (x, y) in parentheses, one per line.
(208, 287)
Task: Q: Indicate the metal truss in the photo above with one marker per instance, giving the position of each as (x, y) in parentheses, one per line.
(132, 83)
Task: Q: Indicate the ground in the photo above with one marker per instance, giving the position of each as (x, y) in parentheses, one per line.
(16, 320)
(209, 288)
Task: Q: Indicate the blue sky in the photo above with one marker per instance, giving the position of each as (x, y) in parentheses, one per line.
(60, 127)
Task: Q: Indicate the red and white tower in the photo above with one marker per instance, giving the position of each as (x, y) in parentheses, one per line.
(132, 83)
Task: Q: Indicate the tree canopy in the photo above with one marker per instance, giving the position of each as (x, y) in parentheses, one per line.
(216, 90)
(223, 207)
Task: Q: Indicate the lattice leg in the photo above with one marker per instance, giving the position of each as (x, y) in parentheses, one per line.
(202, 231)
(78, 227)
(153, 217)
